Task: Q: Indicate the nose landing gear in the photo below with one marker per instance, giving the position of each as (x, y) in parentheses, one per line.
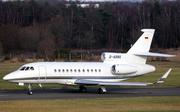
(30, 89)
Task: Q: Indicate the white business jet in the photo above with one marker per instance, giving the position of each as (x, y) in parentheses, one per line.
(115, 68)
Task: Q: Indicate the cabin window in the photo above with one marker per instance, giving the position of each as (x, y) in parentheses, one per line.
(54, 70)
(27, 68)
(67, 70)
(91, 70)
(79, 70)
(83, 70)
(22, 68)
(63, 70)
(59, 70)
(95, 70)
(74, 70)
(71, 70)
(99, 70)
(87, 70)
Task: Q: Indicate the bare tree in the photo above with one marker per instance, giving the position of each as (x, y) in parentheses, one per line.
(1, 47)
(9, 37)
(46, 46)
(120, 13)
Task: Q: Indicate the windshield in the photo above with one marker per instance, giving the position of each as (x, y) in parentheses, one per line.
(26, 68)
(22, 68)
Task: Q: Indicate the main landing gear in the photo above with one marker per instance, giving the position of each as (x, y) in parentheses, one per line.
(30, 89)
(82, 89)
(101, 90)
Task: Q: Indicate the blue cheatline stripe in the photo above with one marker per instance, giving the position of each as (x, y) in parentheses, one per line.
(75, 77)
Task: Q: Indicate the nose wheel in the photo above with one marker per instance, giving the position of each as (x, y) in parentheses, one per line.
(30, 89)
(30, 92)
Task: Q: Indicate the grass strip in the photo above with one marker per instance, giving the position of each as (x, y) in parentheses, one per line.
(97, 104)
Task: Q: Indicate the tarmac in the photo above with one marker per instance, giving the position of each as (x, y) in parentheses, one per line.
(10, 95)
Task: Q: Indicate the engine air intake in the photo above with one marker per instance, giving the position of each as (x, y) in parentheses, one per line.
(120, 69)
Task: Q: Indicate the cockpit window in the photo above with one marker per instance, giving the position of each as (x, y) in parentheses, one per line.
(27, 68)
(22, 68)
(32, 68)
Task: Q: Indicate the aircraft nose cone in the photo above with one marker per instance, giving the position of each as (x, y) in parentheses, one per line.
(9, 76)
(5, 78)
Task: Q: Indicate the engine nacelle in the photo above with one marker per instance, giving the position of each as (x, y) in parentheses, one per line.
(107, 56)
(120, 69)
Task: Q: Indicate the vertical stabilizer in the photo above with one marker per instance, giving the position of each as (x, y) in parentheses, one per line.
(142, 45)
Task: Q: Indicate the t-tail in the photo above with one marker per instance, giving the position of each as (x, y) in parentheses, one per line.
(140, 50)
(137, 53)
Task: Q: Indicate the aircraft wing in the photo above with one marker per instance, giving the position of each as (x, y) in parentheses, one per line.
(103, 83)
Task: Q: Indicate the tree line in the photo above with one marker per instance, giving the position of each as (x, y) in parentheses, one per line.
(42, 26)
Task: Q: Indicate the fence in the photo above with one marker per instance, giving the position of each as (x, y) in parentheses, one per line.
(76, 56)
(34, 57)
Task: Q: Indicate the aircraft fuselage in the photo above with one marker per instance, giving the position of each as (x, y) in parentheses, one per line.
(68, 72)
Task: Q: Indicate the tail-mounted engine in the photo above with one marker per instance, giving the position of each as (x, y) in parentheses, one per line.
(120, 69)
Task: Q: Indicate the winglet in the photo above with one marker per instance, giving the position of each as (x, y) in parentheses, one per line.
(162, 79)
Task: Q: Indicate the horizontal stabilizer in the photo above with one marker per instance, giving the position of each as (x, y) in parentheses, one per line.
(153, 54)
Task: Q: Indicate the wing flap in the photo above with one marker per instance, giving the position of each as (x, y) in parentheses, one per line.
(124, 83)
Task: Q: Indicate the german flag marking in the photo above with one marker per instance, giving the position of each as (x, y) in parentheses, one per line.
(146, 38)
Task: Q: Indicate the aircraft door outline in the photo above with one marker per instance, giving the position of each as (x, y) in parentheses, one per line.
(42, 73)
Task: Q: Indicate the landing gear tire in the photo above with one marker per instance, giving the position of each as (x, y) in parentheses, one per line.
(100, 91)
(82, 89)
(30, 92)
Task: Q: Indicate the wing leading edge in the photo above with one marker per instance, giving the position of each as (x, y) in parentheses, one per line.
(102, 83)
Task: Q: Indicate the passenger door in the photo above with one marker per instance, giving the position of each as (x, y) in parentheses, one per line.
(42, 74)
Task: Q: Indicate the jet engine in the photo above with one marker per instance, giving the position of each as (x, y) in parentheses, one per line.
(120, 69)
